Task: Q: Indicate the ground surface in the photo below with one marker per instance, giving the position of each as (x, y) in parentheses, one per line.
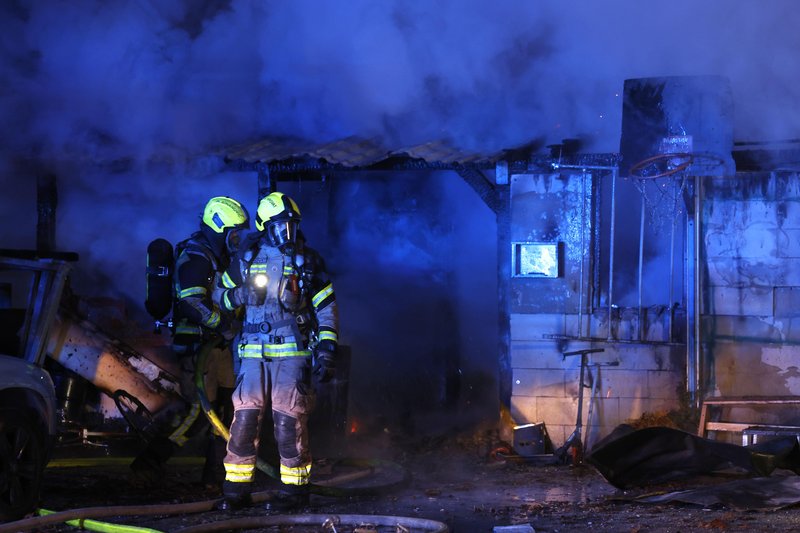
(459, 484)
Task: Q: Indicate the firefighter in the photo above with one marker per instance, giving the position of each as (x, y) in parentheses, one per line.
(290, 318)
(196, 317)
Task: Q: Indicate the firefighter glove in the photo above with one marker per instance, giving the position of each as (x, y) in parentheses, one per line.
(229, 328)
(236, 297)
(324, 366)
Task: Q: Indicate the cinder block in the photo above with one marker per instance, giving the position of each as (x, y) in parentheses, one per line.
(554, 411)
(726, 210)
(743, 272)
(598, 325)
(789, 273)
(792, 209)
(532, 354)
(641, 356)
(540, 382)
(559, 433)
(789, 240)
(740, 214)
(787, 301)
(523, 409)
(746, 327)
(740, 370)
(664, 385)
(745, 301)
(531, 327)
(623, 383)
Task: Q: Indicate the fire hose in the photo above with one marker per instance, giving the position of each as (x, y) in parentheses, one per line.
(270, 470)
(83, 518)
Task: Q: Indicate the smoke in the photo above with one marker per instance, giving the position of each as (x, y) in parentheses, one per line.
(135, 78)
(131, 103)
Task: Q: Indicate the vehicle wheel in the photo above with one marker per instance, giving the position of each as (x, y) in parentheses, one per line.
(22, 462)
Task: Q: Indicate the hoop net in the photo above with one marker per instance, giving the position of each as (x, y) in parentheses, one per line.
(663, 179)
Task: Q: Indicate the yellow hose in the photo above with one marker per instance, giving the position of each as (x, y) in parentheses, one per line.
(208, 409)
(103, 527)
(270, 470)
(200, 384)
(80, 517)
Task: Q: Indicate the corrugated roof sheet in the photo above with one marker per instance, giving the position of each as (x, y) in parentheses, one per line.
(354, 152)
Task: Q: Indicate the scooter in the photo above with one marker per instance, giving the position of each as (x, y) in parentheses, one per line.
(573, 448)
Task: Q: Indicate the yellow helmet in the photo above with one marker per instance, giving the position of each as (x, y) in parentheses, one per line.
(222, 213)
(279, 216)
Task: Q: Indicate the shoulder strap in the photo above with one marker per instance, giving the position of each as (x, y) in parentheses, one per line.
(193, 245)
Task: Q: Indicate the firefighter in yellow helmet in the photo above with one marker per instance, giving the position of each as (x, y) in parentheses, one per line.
(196, 317)
(290, 318)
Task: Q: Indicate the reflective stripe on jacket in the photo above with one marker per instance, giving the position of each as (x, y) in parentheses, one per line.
(293, 311)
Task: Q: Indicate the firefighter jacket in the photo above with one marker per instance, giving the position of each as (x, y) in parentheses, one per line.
(195, 312)
(290, 305)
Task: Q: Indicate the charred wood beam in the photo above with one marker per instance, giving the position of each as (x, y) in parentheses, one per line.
(309, 168)
(482, 186)
(505, 372)
(266, 184)
(588, 161)
(313, 168)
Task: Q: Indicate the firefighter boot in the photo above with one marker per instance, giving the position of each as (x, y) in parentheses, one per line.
(235, 496)
(213, 471)
(289, 498)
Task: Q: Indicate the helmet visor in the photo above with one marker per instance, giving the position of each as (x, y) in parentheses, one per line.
(283, 232)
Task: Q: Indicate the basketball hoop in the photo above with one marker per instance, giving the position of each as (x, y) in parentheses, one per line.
(661, 165)
(661, 180)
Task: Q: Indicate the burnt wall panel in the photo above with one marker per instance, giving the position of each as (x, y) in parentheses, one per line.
(547, 208)
(546, 320)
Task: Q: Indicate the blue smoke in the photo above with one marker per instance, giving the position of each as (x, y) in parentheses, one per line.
(131, 105)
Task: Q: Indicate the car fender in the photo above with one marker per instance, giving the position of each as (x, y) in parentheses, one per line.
(20, 379)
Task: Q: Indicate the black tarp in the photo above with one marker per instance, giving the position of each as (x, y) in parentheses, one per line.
(630, 458)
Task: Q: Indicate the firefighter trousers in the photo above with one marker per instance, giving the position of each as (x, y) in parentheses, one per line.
(284, 385)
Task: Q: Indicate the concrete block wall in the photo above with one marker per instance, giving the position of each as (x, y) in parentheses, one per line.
(750, 320)
(751, 331)
(648, 379)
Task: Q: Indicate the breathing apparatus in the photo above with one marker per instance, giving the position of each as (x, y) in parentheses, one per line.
(278, 217)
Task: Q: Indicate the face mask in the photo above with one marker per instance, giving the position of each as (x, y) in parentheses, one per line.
(282, 234)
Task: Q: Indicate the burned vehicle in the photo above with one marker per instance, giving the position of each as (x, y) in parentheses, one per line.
(62, 379)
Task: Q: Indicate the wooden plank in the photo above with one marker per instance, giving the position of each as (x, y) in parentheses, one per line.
(727, 426)
(741, 401)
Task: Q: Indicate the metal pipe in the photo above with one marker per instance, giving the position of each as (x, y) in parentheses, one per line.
(697, 287)
(585, 167)
(583, 252)
(611, 248)
(641, 262)
(688, 290)
(671, 276)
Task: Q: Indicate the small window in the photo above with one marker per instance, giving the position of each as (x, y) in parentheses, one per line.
(534, 259)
